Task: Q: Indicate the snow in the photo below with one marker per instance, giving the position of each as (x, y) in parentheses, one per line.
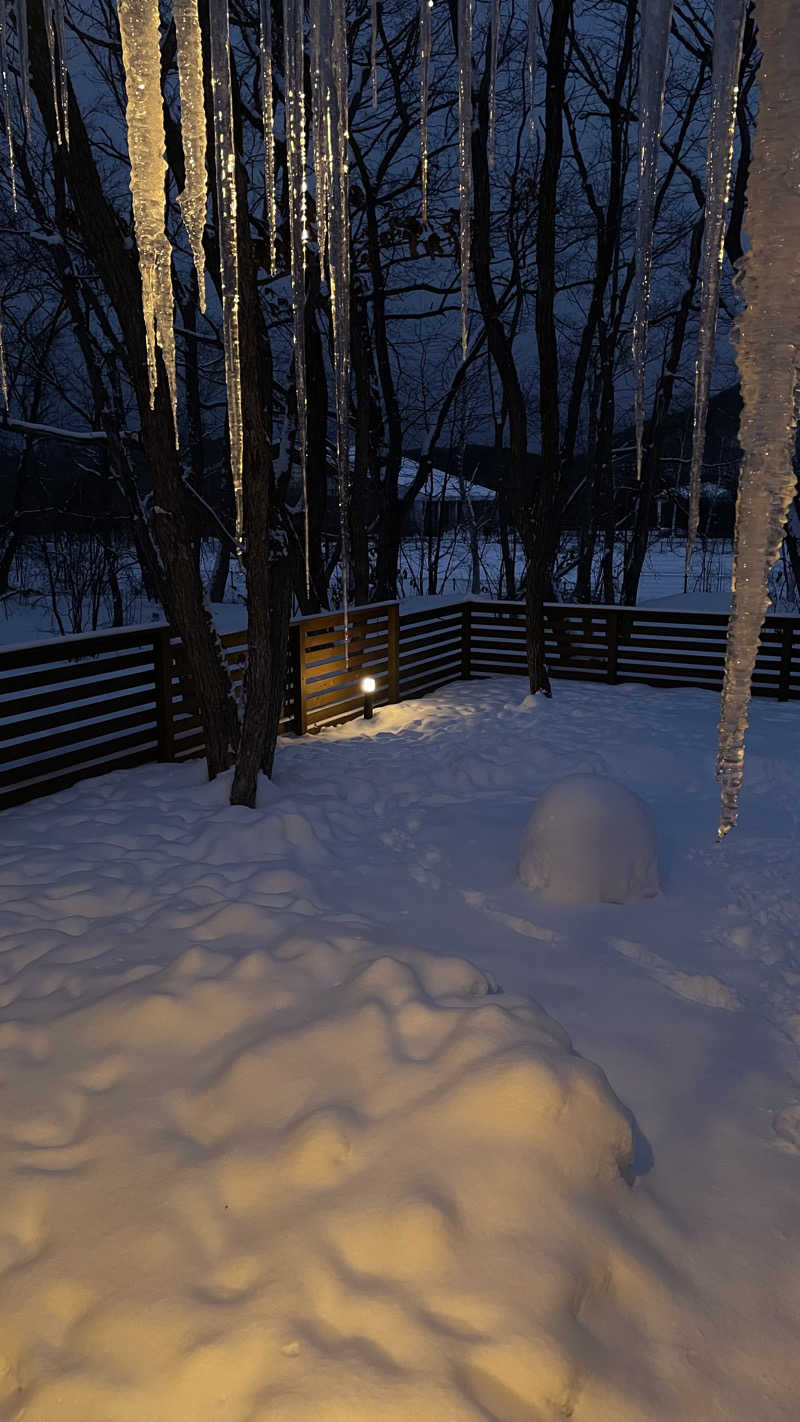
(285, 1132)
(590, 840)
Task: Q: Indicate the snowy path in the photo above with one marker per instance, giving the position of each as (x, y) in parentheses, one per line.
(246, 1176)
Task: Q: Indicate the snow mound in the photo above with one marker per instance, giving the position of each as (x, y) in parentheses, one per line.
(590, 840)
(307, 1182)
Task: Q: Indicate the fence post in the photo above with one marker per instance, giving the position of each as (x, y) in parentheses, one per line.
(786, 660)
(612, 638)
(466, 638)
(162, 665)
(297, 631)
(393, 652)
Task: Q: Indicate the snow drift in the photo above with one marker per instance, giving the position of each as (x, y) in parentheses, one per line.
(590, 840)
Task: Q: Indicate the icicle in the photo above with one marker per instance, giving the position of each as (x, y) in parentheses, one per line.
(768, 356)
(194, 198)
(56, 41)
(655, 24)
(330, 126)
(729, 17)
(225, 166)
(494, 39)
(3, 371)
(270, 212)
(373, 50)
(141, 58)
(531, 53)
(321, 101)
(295, 173)
(465, 157)
(339, 267)
(7, 98)
(21, 7)
(424, 87)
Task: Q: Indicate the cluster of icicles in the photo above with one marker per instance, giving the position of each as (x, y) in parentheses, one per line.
(317, 147)
(768, 344)
(53, 11)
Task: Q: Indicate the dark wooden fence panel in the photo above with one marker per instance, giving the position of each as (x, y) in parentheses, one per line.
(75, 707)
(431, 649)
(613, 644)
(82, 706)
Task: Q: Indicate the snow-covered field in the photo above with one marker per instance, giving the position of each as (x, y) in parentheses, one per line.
(26, 619)
(285, 1134)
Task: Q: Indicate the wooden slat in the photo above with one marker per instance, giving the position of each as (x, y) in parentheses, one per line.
(78, 648)
(52, 784)
(52, 677)
(33, 725)
(54, 765)
(95, 732)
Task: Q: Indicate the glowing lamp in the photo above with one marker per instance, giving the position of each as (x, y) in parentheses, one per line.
(368, 688)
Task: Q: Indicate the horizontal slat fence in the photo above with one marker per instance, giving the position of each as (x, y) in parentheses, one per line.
(615, 644)
(82, 706)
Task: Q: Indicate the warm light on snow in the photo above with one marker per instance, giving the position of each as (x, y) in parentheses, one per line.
(268, 1149)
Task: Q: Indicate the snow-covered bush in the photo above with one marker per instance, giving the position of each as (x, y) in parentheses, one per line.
(590, 840)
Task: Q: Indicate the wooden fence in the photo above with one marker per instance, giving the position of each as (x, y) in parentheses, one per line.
(82, 706)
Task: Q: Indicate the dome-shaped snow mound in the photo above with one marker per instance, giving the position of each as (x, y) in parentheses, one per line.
(590, 840)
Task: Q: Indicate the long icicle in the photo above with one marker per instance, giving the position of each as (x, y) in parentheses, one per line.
(56, 41)
(21, 8)
(655, 25)
(270, 212)
(321, 38)
(294, 104)
(424, 90)
(194, 198)
(339, 267)
(227, 236)
(3, 370)
(768, 357)
(531, 55)
(729, 18)
(494, 42)
(4, 76)
(141, 58)
(465, 158)
(373, 50)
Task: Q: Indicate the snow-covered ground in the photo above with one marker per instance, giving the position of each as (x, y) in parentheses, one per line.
(275, 1147)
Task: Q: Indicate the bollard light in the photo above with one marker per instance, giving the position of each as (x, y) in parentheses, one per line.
(368, 688)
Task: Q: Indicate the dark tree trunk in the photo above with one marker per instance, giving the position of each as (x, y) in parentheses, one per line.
(363, 425)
